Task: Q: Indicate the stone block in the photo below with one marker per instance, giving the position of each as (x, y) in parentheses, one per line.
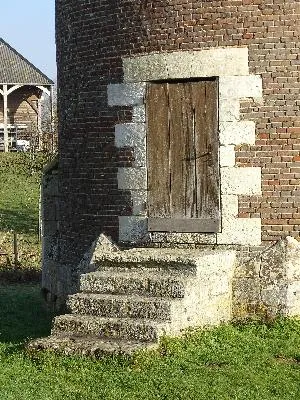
(127, 134)
(293, 295)
(227, 156)
(159, 284)
(49, 209)
(101, 246)
(216, 263)
(220, 62)
(229, 110)
(86, 346)
(105, 327)
(132, 178)
(178, 238)
(293, 311)
(238, 132)
(245, 181)
(145, 68)
(292, 259)
(223, 61)
(179, 64)
(139, 202)
(119, 306)
(219, 285)
(248, 268)
(240, 231)
(246, 290)
(133, 229)
(274, 297)
(124, 94)
(237, 87)
(230, 206)
(139, 114)
(132, 135)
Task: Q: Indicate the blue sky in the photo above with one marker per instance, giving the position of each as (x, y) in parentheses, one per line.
(29, 27)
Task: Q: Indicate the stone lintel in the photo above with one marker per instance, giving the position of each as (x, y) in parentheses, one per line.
(221, 61)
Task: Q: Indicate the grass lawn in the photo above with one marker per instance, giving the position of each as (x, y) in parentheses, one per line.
(253, 361)
(19, 207)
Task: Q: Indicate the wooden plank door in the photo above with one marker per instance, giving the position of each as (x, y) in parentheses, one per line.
(182, 157)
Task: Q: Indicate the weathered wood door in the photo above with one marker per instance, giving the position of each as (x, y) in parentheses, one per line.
(182, 157)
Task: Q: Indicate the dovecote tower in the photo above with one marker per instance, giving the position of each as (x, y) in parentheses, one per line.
(179, 126)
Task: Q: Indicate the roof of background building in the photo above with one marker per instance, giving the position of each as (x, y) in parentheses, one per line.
(15, 69)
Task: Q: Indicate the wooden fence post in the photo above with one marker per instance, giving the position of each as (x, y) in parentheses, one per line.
(16, 251)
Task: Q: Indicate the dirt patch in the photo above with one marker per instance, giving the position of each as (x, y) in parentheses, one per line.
(287, 360)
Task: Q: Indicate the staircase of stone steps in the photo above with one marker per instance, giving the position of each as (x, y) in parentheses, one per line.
(136, 296)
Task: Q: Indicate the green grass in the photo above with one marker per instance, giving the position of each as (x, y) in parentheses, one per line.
(19, 206)
(253, 361)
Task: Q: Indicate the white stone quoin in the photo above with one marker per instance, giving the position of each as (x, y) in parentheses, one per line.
(230, 65)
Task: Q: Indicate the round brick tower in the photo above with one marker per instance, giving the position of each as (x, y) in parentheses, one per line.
(129, 74)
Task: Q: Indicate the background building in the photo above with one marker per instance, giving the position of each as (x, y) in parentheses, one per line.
(22, 87)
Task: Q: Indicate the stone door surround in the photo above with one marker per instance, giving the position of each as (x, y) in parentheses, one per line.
(230, 66)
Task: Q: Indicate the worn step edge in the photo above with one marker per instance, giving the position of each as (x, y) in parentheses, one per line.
(187, 268)
(69, 344)
(167, 285)
(162, 274)
(143, 330)
(121, 306)
(121, 297)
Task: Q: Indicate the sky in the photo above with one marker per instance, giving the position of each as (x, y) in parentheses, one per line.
(29, 27)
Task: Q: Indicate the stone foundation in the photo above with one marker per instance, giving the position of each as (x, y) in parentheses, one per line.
(265, 281)
(268, 285)
(129, 299)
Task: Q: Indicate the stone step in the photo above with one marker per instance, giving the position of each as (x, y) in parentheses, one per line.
(143, 282)
(120, 306)
(87, 345)
(149, 260)
(133, 297)
(113, 328)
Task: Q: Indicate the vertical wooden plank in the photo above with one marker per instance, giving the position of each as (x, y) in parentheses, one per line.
(158, 150)
(199, 107)
(191, 177)
(205, 102)
(179, 131)
(213, 174)
(189, 185)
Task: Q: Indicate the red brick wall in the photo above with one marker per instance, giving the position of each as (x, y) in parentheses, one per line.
(93, 36)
